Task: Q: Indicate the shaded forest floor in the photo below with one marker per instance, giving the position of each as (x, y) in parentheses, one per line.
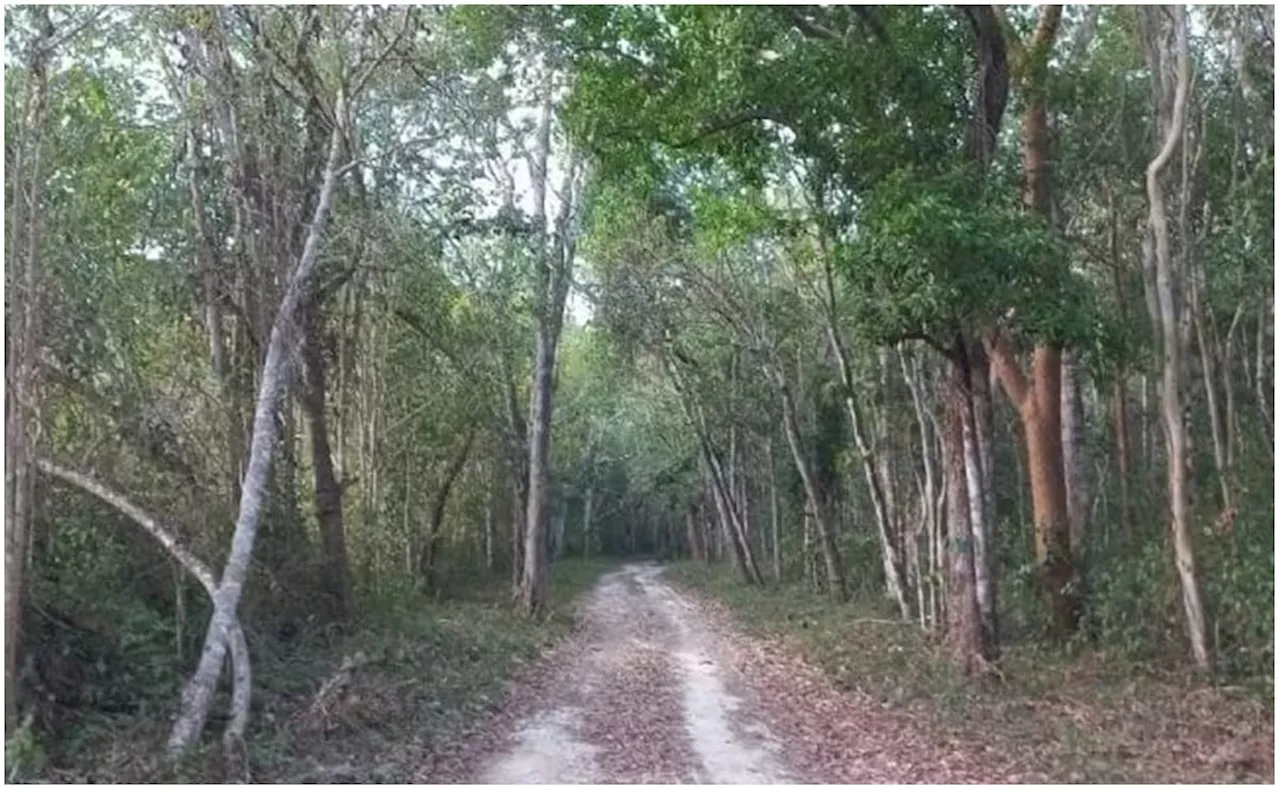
(1088, 717)
(372, 705)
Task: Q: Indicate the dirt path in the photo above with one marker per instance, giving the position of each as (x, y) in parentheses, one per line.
(647, 694)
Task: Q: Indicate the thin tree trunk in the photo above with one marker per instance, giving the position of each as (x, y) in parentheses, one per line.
(488, 532)
(774, 526)
(826, 536)
(435, 513)
(1216, 429)
(198, 693)
(1259, 379)
(1231, 420)
(1038, 402)
(875, 484)
(328, 492)
(586, 522)
(552, 283)
(22, 348)
(1170, 334)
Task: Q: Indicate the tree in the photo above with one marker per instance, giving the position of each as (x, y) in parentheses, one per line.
(1169, 297)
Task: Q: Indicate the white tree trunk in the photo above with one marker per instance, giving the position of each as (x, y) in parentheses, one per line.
(198, 694)
(1168, 299)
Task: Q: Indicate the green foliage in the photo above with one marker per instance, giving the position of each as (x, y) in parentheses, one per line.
(932, 256)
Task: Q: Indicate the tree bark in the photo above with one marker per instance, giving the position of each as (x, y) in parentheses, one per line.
(586, 522)
(964, 622)
(552, 287)
(817, 501)
(1169, 329)
(1038, 404)
(979, 516)
(198, 693)
(774, 526)
(1038, 401)
(488, 532)
(435, 513)
(1075, 464)
(24, 307)
(328, 492)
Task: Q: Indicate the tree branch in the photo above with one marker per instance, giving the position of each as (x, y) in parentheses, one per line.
(1005, 365)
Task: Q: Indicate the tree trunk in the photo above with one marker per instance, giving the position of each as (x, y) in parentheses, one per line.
(740, 550)
(817, 502)
(435, 513)
(586, 523)
(774, 526)
(1038, 403)
(1169, 330)
(552, 288)
(518, 509)
(979, 517)
(964, 622)
(488, 532)
(984, 414)
(22, 348)
(1120, 417)
(534, 580)
(328, 492)
(557, 532)
(198, 693)
(876, 485)
(1259, 379)
(1075, 463)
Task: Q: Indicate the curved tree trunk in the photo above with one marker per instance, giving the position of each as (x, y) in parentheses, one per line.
(241, 672)
(1169, 302)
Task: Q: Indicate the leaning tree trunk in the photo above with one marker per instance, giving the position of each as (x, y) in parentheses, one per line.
(198, 694)
(435, 513)
(1168, 300)
(876, 485)
(240, 667)
(817, 504)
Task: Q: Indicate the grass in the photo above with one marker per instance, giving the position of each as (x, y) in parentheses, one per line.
(426, 670)
(1079, 714)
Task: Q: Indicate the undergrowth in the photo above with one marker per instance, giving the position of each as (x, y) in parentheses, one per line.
(1077, 712)
(420, 671)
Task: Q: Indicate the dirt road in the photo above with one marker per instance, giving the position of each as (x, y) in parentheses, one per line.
(645, 695)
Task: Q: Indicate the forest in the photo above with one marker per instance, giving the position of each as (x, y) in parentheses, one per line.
(348, 348)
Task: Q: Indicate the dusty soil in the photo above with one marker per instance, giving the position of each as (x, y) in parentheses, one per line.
(658, 688)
